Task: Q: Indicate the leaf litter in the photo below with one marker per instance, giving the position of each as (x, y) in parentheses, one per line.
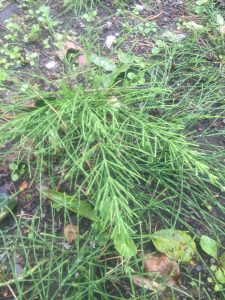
(160, 272)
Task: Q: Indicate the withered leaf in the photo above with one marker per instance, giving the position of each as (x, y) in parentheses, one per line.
(71, 232)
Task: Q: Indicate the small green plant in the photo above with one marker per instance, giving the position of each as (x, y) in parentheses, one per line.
(146, 28)
(90, 16)
(159, 46)
(18, 170)
(44, 17)
(210, 247)
(3, 75)
(11, 55)
(34, 34)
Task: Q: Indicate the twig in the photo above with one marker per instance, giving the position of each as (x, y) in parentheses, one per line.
(156, 16)
(11, 290)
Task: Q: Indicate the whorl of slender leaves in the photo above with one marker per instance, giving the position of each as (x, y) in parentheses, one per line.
(111, 145)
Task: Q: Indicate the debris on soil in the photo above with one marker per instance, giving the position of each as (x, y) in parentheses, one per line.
(164, 266)
(71, 232)
(50, 65)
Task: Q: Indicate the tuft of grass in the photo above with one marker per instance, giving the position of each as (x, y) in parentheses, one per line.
(112, 145)
(81, 5)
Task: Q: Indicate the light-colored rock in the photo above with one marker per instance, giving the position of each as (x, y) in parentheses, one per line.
(50, 65)
(110, 40)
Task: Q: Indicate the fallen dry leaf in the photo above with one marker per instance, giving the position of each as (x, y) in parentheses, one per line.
(82, 60)
(167, 269)
(161, 272)
(71, 232)
(68, 47)
(23, 186)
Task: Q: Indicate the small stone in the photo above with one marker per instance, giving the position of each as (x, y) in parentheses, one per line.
(117, 34)
(18, 269)
(212, 261)
(139, 7)
(66, 245)
(109, 25)
(199, 268)
(50, 65)
(110, 40)
(92, 244)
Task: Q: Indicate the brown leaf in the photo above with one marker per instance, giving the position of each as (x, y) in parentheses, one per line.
(167, 269)
(23, 186)
(69, 46)
(82, 60)
(71, 232)
(72, 46)
(29, 104)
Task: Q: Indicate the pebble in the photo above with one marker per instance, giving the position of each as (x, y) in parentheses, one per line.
(18, 269)
(92, 244)
(139, 7)
(109, 25)
(110, 40)
(50, 65)
(212, 261)
(66, 245)
(199, 268)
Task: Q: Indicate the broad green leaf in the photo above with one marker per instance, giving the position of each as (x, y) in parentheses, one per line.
(209, 246)
(111, 78)
(7, 203)
(131, 75)
(175, 244)
(220, 276)
(15, 177)
(125, 58)
(12, 166)
(124, 244)
(82, 208)
(155, 50)
(102, 62)
(218, 287)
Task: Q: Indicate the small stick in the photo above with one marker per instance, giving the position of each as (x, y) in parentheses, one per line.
(11, 290)
(156, 16)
